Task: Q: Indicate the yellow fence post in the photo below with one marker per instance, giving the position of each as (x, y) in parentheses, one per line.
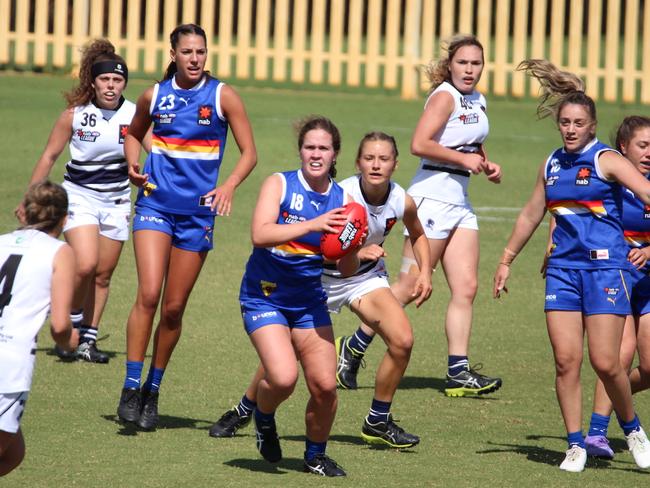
(631, 51)
(519, 46)
(40, 33)
(335, 48)
(22, 25)
(60, 33)
(317, 42)
(645, 75)
(263, 19)
(242, 69)
(280, 42)
(411, 49)
(298, 44)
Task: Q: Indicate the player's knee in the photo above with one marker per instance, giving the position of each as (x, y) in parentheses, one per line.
(465, 291)
(148, 299)
(283, 383)
(401, 345)
(86, 267)
(323, 390)
(103, 279)
(567, 365)
(606, 368)
(172, 313)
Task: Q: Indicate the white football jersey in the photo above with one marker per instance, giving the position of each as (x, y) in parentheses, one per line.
(381, 219)
(465, 131)
(26, 258)
(97, 150)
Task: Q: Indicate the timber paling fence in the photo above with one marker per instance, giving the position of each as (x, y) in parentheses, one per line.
(355, 43)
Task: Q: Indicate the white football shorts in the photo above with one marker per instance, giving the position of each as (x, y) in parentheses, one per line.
(440, 218)
(341, 292)
(12, 406)
(85, 207)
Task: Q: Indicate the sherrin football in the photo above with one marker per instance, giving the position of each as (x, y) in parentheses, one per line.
(335, 246)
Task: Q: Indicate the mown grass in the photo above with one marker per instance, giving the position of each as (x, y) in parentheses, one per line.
(514, 437)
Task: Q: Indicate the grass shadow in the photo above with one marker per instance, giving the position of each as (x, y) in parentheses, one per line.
(164, 422)
(344, 439)
(539, 454)
(262, 466)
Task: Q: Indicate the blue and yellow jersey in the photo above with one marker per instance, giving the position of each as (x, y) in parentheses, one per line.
(187, 145)
(291, 272)
(587, 209)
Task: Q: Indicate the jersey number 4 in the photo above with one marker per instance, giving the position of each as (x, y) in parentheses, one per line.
(7, 276)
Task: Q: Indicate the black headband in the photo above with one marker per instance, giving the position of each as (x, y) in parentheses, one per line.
(116, 67)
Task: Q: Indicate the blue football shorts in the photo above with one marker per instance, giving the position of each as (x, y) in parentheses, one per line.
(590, 291)
(188, 232)
(257, 312)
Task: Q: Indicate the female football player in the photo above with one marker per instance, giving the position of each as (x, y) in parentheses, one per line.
(587, 275)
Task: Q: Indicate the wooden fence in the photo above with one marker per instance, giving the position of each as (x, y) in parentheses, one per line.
(357, 43)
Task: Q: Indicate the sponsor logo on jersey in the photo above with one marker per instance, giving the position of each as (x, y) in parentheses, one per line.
(268, 287)
(612, 293)
(205, 115)
(551, 298)
(583, 176)
(315, 204)
(165, 118)
(290, 218)
(124, 129)
(598, 254)
(646, 211)
(430, 223)
(469, 119)
(87, 135)
(550, 181)
(208, 233)
(389, 225)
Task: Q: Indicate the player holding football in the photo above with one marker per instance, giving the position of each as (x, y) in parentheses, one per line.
(36, 276)
(367, 292)
(587, 274)
(282, 300)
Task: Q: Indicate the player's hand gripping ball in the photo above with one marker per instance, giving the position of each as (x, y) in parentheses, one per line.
(348, 236)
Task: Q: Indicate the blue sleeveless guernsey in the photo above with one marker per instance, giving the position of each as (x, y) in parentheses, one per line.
(587, 209)
(187, 145)
(636, 222)
(289, 274)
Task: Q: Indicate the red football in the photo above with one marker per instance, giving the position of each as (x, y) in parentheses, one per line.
(335, 246)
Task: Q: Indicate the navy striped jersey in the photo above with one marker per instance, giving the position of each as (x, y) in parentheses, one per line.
(187, 145)
(97, 149)
(290, 273)
(587, 209)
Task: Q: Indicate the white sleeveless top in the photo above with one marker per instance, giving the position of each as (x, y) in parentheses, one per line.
(465, 131)
(26, 258)
(381, 219)
(97, 160)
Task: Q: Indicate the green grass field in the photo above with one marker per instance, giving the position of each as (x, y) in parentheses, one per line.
(514, 437)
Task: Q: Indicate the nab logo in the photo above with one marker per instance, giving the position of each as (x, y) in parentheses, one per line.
(389, 225)
(583, 176)
(205, 115)
(124, 130)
